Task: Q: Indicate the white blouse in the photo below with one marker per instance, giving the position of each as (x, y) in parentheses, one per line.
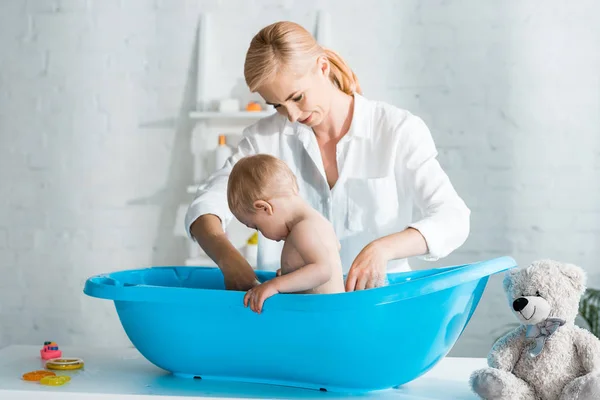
(389, 179)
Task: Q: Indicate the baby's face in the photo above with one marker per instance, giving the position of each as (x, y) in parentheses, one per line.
(270, 225)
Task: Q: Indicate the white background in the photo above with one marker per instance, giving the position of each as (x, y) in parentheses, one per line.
(94, 140)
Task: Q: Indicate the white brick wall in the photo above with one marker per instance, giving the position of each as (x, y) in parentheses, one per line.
(94, 143)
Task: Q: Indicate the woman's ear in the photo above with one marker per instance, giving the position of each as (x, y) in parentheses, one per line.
(323, 65)
(263, 206)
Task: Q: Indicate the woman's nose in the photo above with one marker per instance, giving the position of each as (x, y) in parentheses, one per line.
(293, 114)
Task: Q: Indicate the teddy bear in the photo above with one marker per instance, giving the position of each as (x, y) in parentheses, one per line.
(547, 357)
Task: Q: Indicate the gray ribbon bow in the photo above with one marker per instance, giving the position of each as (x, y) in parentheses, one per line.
(539, 333)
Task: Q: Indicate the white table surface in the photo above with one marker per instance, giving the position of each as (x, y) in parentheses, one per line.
(125, 374)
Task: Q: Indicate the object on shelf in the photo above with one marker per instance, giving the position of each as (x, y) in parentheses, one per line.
(36, 376)
(192, 189)
(229, 105)
(251, 250)
(253, 106)
(222, 153)
(58, 380)
(50, 350)
(64, 363)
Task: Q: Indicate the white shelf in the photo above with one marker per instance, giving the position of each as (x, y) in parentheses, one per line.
(209, 121)
(230, 115)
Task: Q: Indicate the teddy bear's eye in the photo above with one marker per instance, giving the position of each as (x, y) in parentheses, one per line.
(538, 294)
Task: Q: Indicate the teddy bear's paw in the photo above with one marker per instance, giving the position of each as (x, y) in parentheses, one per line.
(586, 387)
(495, 384)
(487, 383)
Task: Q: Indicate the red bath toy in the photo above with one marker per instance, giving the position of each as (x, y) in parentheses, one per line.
(50, 350)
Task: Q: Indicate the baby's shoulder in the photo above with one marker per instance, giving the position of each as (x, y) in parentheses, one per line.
(305, 227)
(315, 229)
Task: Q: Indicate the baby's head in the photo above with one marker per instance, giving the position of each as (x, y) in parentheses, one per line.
(257, 191)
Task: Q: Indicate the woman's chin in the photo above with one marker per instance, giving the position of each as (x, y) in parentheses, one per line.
(313, 120)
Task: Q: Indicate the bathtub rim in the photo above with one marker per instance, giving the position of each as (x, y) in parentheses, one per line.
(105, 286)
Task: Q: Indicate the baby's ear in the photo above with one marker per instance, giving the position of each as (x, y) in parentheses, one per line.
(261, 205)
(576, 275)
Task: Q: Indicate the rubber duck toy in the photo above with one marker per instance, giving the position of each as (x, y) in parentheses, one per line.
(50, 350)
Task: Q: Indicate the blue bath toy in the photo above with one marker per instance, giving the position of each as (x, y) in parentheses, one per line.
(182, 320)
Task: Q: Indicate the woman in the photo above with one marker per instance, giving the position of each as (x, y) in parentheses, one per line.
(365, 165)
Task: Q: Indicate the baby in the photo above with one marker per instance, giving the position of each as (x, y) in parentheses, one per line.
(262, 193)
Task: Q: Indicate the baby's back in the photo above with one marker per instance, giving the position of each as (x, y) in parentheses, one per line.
(292, 258)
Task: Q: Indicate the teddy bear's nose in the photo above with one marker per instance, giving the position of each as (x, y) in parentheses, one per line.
(520, 304)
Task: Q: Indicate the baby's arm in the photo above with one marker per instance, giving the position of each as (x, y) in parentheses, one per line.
(310, 244)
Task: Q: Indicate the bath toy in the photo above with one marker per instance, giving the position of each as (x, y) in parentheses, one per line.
(35, 376)
(50, 350)
(64, 363)
(55, 380)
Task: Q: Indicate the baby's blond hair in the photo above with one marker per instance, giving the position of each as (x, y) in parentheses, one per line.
(258, 177)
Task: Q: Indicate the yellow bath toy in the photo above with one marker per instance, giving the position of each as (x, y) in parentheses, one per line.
(64, 363)
(55, 380)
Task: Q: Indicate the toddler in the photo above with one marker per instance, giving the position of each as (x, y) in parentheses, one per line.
(262, 193)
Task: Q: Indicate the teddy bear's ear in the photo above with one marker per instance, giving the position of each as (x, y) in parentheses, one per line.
(507, 283)
(576, 275)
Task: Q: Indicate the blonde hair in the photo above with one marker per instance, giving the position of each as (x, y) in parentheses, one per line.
(285, 44)
(258, 177)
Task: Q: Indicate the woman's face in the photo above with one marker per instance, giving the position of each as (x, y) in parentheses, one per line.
(306, 98)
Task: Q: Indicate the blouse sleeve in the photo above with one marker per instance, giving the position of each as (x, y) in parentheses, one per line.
(445, 218)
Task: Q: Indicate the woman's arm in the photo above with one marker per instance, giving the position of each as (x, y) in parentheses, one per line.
(208, 216)
(445, 218)
(209, 234)
(408, 243)
(445, 221)
(369, 268)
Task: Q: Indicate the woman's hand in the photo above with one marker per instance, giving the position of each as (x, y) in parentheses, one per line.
(368, 269)
(256, 296)
(238, 274)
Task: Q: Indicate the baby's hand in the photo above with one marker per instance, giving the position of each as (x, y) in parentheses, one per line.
(256, 296)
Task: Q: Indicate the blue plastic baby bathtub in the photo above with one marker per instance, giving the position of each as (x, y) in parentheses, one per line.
(182, 320)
